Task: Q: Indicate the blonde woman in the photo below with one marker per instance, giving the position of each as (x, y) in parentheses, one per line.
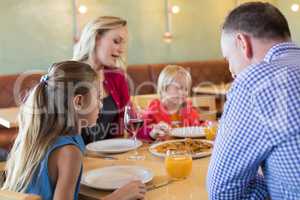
(103, 45)
(172, 109)
(46, 158)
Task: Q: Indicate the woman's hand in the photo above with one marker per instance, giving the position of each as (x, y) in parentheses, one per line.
(160, 130)
(132, 191)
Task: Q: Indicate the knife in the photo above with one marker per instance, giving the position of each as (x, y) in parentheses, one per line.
(95, 155)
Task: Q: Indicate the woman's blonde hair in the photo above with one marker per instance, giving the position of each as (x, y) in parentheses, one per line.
(46, 114)
(169, 74)
(86, 46)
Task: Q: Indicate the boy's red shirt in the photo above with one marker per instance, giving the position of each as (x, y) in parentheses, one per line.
(156, 113)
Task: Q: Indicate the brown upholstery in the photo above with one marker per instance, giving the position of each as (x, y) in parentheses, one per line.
(205, 104)
(145, 76)
(7, 136)
(142, 80)
(20, 83)
(138, 74)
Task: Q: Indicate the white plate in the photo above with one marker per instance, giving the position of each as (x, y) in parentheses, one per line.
(114, 177)
(196, 155)
(192, 132)
(113, 145)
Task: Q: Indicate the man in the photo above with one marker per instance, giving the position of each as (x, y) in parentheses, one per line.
(260, 126)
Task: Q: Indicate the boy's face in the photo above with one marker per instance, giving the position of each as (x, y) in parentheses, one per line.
(177, 91)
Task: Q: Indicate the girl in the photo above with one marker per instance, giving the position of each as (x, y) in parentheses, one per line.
(46, 158)
(172, 109)
(102, 45)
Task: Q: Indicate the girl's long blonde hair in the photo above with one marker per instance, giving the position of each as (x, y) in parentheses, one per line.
(47, 113)
(84, 50)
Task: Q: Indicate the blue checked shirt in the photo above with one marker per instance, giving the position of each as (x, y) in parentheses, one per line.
(257, 149)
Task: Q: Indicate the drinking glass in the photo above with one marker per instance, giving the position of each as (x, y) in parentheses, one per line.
(210, 130)
(133, 122)
(178, 164)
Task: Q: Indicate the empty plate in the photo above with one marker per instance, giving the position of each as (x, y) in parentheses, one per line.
(113, 145)
(191, 131)
(114, 177)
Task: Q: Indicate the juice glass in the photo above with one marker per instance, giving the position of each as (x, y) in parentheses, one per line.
(178, 164)
(211, 131)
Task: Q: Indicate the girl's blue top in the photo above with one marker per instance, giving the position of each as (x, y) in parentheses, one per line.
(41, 184)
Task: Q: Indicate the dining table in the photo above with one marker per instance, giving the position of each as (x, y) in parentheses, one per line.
(219, 91)
(9, 117)
(212, 89)
(191, 188)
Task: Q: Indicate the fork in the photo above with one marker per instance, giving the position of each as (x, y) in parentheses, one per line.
(159, 185)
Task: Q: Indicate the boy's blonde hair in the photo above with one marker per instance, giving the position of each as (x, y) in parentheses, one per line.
(168, 75)
(86, 46)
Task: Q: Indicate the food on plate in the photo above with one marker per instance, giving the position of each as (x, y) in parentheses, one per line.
(193, 146)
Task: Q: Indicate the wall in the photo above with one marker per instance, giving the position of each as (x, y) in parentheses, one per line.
(36, 33)
(196, 28)
(292, 17)
(245, 1)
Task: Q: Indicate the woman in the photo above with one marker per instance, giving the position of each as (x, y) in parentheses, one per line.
(102, 45)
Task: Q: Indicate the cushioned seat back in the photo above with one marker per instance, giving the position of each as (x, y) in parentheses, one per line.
(213, 71)
(13, 88)
(145, 77)
(139, 79)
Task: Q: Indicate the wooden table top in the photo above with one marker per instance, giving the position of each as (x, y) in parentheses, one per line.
(191, 188)
(2, 166)
(9, 117)
(220, 89)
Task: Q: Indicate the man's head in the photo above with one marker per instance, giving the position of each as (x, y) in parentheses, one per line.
(249, 31)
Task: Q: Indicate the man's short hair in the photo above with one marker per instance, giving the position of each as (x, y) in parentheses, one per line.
(261, 20)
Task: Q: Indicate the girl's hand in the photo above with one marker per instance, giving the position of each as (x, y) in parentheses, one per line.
(132, 191)
(160, 130)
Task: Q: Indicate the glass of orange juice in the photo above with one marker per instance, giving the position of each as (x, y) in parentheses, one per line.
(178, 164)
(211, 131)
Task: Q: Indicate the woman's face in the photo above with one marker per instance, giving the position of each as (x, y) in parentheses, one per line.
(111, 46)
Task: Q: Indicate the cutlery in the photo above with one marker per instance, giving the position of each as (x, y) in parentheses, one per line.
(158, 185)
(95, 155)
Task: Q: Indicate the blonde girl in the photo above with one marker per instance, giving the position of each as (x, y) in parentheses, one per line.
(46, 158)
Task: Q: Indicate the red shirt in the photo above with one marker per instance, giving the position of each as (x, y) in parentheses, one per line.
(155, 113)
(116, 85)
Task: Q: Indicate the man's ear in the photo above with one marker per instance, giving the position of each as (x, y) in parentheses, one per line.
(78, 102)
(244, 43)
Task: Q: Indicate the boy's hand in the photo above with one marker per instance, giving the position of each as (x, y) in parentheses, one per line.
(160, 130)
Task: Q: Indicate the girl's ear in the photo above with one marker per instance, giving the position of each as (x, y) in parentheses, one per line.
(78, 102)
